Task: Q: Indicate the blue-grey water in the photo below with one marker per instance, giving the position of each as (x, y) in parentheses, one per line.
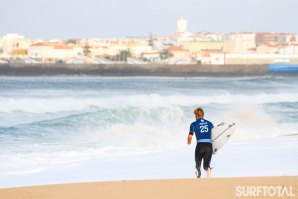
(46, 121)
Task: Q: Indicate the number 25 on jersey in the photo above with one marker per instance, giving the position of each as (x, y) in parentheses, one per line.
(204, 128)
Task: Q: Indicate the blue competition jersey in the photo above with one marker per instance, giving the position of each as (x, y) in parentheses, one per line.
(202, 128)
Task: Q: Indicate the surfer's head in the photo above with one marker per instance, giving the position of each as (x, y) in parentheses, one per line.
(199, 112)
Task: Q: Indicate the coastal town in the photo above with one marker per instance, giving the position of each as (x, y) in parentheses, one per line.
(180, 47)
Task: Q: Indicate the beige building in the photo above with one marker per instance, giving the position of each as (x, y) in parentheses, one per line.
(243, 59)
(97, 51)
(202, 48)
(267, 49)
(1, 45)
(178, 55)
(153, 56)
(295, 39)
(136, 47)
(239, 42)
(51, 52)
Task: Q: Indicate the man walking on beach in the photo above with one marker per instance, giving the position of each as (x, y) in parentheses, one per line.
(202, 129)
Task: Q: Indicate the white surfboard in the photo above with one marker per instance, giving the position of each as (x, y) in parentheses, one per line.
(221, 134)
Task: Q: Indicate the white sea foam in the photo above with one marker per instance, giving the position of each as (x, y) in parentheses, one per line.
(46, 128)
(66, 104)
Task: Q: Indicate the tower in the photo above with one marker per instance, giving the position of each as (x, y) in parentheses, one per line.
(181, 25)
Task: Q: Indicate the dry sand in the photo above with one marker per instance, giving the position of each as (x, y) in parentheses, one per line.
(153, 189)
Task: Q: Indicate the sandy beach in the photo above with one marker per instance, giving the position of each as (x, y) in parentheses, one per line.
(154, 189)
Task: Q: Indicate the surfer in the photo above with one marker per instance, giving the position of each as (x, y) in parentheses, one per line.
(202, 128)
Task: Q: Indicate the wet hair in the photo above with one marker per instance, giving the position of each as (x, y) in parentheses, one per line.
(199, 112)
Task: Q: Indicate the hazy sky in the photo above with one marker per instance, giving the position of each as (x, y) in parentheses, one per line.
(115, 18)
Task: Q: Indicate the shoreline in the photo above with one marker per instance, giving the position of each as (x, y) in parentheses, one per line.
(162, 164)
(164, 188)
(117, 70)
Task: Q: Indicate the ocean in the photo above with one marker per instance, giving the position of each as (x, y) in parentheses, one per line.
(76, 125)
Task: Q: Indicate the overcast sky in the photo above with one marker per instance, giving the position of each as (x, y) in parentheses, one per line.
(115, 18)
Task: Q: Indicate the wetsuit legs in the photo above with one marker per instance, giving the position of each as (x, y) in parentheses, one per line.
(203, 152)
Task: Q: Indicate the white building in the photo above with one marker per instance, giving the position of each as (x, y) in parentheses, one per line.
(217, 59)
(11, 42)
(288, 49)
(179, 38)
(40, 50)
(181, 25)
(277, 49)
(181, 35)
(138, 50)
(208, 36)
(66, 52)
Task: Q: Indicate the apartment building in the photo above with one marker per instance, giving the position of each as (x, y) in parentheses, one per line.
(203, 48)
(241, 42)
(51, 52)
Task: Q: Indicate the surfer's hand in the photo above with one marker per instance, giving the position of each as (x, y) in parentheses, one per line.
(214, 153)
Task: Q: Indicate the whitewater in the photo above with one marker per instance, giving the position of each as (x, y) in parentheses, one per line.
(77, 129)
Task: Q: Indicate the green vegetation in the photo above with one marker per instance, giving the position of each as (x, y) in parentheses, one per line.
(123, 55)
(71, 41)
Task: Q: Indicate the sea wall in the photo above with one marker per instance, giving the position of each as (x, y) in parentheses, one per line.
(21, 69)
